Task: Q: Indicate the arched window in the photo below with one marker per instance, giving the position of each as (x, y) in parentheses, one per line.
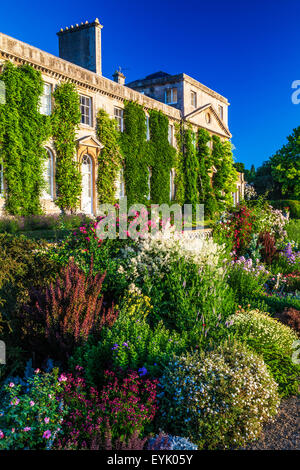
(49, 175)
(87, 184)
(1, 180)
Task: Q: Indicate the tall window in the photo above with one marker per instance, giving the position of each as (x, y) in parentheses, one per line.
(149, 183)
(147, 128)
(171, 96)
(1, 180)
(86, 110)
(170, 134)
(45, 105)
(120, 185)
(118, 113)
(194, 99)
(49, 175)
(172, 185)
(221, 111)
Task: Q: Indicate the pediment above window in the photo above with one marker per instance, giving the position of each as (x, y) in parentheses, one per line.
(90, 141)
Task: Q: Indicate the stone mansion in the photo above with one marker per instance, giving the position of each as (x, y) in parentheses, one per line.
(179, 97)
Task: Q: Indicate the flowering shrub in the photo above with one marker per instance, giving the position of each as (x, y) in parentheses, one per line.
(265, 329)
(184, 278)
(130, 344)
(274, 342)
(167, 442)
(30, 416)
(122, 408)
(219, 399)
(67, 312)
(247, 277)
(250, 192)
(237, 227)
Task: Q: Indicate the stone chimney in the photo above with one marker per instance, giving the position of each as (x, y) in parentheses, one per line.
(81, 45)
(119, 77)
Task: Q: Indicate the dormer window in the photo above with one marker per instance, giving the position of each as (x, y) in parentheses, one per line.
(171, 96)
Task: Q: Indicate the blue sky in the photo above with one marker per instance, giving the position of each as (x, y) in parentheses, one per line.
(245, 50)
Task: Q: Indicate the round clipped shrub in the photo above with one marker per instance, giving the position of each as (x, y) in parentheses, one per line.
(219, 399)
(263, 328)
(273, 341)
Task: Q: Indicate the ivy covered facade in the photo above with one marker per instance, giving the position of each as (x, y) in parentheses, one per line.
(71, 139)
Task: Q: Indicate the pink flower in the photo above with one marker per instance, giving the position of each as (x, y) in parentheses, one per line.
(27, 428)
(31, 403)
(47, 434)
(1, 434)
(62, 378)
(46, 420)
(15, 402)
(11, 384)
(37, 371)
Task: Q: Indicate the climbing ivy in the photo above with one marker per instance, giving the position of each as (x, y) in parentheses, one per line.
(110, 158)
(191, 169)
(162, 157)
(179, 165)
(206, 192)
(23, 131)
(65, 120)
(134, 149)
(225, 178)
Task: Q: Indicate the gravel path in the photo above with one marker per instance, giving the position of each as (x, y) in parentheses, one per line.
(284, 432)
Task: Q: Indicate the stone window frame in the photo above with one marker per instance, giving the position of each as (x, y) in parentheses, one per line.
(172, 93)
(1, 180)
(147, 127)
(172, 193)
(52, 194)
(171, 134)
(221, 111)
(46, 100)
(119, 117)
(193, 99)
(86, 118)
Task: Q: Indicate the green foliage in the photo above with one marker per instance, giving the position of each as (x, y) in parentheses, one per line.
(110, 158)
(224, 181)
(23, 131)
(133, 147)
(206, 192)
(280, 174)
(293, 205)
(190, 167)
(285, 373)
(179, 166)
(162, 157)
(293, 231)
(274, 342)
(129, 344)
(65, 121)
(31, 417)
(219, 399)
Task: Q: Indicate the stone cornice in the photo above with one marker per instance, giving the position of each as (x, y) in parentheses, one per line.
(20, 52)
